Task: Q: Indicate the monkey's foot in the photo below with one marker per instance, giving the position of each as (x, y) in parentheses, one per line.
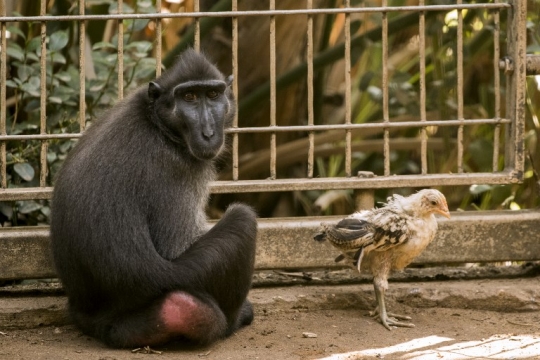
(390, 319)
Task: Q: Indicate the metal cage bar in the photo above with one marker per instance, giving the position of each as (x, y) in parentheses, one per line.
(422, 52)
(197, 39)
(43, 97)
(120, 58)
(459, 90)
(311, 135)
(496, 86)
(272, 91)
(235, 90)
(348, 114)
(385, 109)
(513, 122)
(3, 117)
(158, 41)
(82, 62)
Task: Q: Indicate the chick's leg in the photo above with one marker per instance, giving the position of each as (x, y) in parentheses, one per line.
(381, 285)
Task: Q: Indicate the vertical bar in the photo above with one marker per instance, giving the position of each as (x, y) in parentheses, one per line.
(347, 89)
(460, 88)
(3, 68)
(43, 97)
(311, 136)
(272, 90)
(497, 87)
(197, 40)
(120, 52)
(423, 130)
(235, 89)
(386, 117)
(82, 60)
(516, 40)
(159, 46)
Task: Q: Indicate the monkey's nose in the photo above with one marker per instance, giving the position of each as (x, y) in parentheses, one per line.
(208, 133)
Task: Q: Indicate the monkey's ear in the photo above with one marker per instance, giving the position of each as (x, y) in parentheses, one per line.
(229, 80)
(154, 90)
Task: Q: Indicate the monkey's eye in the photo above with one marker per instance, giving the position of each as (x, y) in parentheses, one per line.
(190, 97)
(212, 94)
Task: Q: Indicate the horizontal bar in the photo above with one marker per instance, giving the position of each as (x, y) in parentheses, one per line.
(270, 129)
(39, 137)
(378, 182)
(288, 243)
(377, 125)
(256, 13)
(301, 184)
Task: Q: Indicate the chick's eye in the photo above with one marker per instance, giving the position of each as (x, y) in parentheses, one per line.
(190, 97)
(433, 202)
(212, 94)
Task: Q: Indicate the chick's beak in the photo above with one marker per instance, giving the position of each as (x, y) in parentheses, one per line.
(443, 210)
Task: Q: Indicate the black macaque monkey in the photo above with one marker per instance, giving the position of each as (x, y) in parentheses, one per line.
(129, 233)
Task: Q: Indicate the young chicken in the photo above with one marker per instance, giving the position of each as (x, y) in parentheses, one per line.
(386, 239)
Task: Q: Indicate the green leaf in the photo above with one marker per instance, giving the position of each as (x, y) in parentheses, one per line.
(25, 171)
(15, 51)
(138, 24)
(479, 189)
(6, 209)
(55, 100)
(58, 58)
(16, 30)
(58, 40)
(33, 44)
(103, 45)
(24, 72)
(30, 89)
(26, 207)
(63, 76)
(11, 83)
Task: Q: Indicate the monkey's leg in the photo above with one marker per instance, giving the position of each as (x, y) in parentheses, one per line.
(224, 259)
(380, 286)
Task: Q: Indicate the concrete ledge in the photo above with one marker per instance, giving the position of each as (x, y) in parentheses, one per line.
(288, 243)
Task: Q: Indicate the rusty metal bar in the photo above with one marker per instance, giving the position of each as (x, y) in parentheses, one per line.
(379, 182)
(459, 89)
(82, 71)
(159, 42)
(120, 51)
(298, 128)
(235, 89)
(3, 118)
(311, 135)
(272, 91)
(228, 14)
(197, 39)
(422, 50)
(386, 117)
(515, 89)
(43, 97)
(496, 87)
(348, 115)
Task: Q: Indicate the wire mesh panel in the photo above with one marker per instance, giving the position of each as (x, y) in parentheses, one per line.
(386, 131)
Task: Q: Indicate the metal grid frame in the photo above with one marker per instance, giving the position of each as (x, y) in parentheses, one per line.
(514, 120)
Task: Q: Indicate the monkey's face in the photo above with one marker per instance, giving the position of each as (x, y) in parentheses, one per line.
(200, 111)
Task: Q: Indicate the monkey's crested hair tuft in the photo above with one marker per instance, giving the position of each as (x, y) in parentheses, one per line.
(190, 65)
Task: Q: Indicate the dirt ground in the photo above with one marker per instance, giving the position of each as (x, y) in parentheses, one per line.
(315, 322)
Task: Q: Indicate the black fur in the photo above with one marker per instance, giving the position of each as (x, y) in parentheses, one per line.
(128, 224)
